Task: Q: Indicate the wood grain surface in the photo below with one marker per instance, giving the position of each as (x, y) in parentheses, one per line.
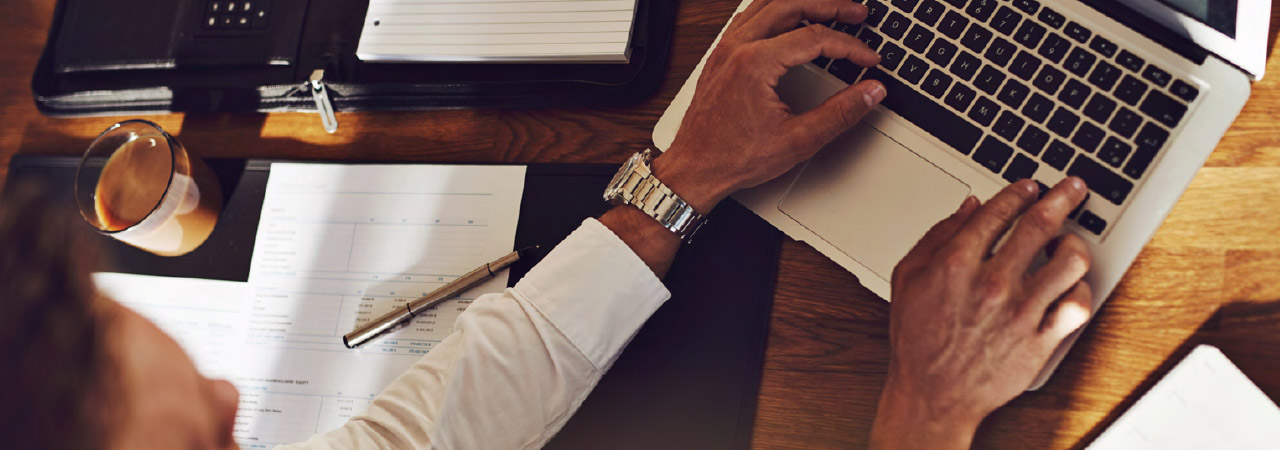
(1211, 274)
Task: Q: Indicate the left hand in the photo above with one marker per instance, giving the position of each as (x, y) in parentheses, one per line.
(737, 133)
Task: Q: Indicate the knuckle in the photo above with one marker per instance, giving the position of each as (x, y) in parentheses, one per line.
(991, 288)
(955, 263)
(1042, 220)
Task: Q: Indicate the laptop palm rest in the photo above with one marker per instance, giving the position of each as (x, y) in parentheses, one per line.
(871, 198)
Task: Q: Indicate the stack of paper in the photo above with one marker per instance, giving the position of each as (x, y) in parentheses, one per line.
(496, 31)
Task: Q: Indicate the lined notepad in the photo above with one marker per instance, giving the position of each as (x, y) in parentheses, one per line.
(497, 30)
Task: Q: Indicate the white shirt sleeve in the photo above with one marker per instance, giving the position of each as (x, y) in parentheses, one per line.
(519, 363)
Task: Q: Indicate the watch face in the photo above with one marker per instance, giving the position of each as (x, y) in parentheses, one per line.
(613, 193)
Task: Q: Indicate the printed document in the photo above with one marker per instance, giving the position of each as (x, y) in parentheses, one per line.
(336, 246)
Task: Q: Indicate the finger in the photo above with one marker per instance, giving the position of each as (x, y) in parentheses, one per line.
(1068, 265)
(1038, 225)
(817, 127)
(780, 16)
(746, 15)
(933, 239)
(991, 219)
(804, 44)
(1068, 315)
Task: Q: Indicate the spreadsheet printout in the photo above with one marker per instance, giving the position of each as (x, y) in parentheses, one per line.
(336, 246)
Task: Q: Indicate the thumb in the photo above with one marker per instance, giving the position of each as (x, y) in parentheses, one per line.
(840, 112)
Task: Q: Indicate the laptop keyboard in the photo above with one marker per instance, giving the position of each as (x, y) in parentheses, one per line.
(1023, 92)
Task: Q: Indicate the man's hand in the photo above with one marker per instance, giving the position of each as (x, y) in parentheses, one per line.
(737, 133)
(970, 328)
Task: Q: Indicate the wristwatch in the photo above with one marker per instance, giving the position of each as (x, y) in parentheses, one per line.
(635, 185)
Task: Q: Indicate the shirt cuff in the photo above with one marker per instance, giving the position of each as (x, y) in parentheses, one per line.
(595, 290)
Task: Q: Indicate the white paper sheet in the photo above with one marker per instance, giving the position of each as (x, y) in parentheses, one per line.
(503, 30)
(1204, 403)
(337, 245)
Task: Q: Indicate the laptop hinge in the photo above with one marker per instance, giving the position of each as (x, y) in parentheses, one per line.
(323, 105)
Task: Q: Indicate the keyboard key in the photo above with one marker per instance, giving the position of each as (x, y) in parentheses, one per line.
(1021, 168)
(1029, 34)
(895, 26)
(871, 38)
(1125, 123)
(875, 13)
(1044, 189)
(1078, 32)
(1129, 61)
(1038, 108)
(1130, 90)
(1000, 52)
(981, 10)
(891, 56)
(848, 28)
(1027, 6)
(1149, 141)
(1104, 76)
(1099, 108)
(976, 38)
(952, 25)
(1074, 94)
(1103, 46)
(1049, 80)
(1054, 48)
(1058, 155)
(956, 3)
(906, 5)
(1013, 93)
(844, 70)
(1033, 140)
(992, 154)
(1079, 62)
(1006, 20)
(941, 52)
(1024, 65)
(1080, 207)
(918, 39)
(965, 66)
(931, 117)
(913, 69)
(1008, 125)
(960, 97)
(1090, 221)
(989, 79)
(936, 83)
(984, 111)
(1063, 122)
(1156, 75)
(821, 62)
(1051, 18)
(1163, 108)
(1114, 151)
(929, 12)
(1184, 91)
(1106, 183)
(1087, 137)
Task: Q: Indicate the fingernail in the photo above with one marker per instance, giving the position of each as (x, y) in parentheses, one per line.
(1072, 316)
(969, 203)
(1030, 187)
(874, 95)
(1076, 183)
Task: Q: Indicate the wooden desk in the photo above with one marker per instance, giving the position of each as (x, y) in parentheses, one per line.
(1212, 273)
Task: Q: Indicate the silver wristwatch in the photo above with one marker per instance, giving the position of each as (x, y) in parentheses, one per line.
(635, 185)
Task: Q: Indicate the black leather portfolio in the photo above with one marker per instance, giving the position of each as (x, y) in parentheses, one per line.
(688, 380)
(135, 56)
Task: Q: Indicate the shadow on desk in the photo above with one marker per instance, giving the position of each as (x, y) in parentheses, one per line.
(1242, 330)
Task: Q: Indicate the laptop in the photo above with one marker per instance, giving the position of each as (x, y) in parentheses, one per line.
(1130, 95)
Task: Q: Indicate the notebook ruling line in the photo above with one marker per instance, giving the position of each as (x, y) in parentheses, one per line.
(497, 31)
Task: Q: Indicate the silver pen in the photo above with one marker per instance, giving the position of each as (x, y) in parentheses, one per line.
(400, 315)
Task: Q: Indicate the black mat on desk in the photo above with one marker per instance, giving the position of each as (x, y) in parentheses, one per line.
(688, 380)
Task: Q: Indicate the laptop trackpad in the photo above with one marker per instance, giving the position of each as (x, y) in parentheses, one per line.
(872, 198)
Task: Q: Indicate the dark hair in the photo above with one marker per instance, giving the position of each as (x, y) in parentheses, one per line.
(52, 351)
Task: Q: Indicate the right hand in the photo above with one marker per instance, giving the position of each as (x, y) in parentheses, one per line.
(969, 329)
(737, 133)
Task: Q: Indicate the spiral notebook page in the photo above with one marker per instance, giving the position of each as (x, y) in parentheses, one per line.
(497, 31)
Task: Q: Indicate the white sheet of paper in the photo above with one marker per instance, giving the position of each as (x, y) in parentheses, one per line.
(1204, 403)
(336, 246)
(504, 30)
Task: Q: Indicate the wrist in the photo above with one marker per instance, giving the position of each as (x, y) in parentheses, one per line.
(701, 189)
(904, 421)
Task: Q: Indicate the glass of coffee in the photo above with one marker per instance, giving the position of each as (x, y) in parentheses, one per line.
(136, 183)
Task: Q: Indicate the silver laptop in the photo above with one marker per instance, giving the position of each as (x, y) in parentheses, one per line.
(1130, 95)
